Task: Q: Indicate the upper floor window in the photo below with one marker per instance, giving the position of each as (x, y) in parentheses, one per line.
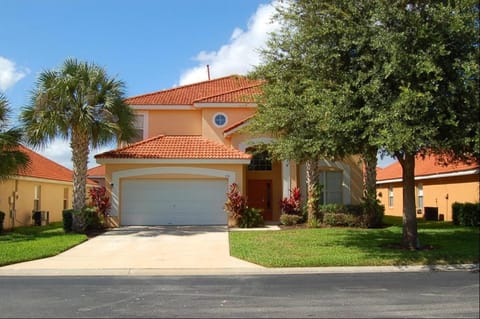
(331, 192)
(260, 161)
(139, 125)
(220, 119)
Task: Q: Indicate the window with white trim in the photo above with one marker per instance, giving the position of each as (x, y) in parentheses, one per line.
(139, 125)
(390, 196)
(36, 198)
(420, 196)
(332, 190)
(220, 119)
(65, 198)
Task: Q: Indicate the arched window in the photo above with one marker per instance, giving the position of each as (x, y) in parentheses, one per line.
(260, 160)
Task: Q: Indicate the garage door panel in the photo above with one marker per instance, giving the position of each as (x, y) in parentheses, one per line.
(173, 202)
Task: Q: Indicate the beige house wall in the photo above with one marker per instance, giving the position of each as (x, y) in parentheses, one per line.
(439, 192)
(51, 200)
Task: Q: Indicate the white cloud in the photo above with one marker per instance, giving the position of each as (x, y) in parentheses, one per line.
(240, 54)
(60, 152)
(9, 73)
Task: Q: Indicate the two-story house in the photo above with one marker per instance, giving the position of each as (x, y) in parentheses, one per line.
(192, 147)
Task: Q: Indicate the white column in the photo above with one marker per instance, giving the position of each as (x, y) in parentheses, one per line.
(286, 178)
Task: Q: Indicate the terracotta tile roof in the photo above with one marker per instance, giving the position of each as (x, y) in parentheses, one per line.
(237, 124)
(42, 167)
(96, 171)
(423, 167)
(175, 147)
(230, 89)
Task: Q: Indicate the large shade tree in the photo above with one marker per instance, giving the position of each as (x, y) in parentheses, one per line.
(401, 76)
(81, 103)
(11, 157)
(429, 75)
(311, 102)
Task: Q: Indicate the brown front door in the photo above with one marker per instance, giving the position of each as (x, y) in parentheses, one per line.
(259, 195)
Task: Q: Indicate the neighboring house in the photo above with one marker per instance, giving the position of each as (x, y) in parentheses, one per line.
(191, 148)
(44, 186)
(97, 174)
(436, 186)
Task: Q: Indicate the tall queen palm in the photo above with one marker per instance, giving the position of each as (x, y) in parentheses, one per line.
(11, 157)
(78, 102)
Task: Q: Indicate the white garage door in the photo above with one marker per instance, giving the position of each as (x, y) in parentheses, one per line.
(173, 202)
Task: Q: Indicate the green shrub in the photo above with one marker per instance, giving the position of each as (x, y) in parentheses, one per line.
(373, 213)
(342, 219)
(289, 220)
(67, 218)
(2, 218)
(86, 219)
(314, 223)
(466, 214)
(251, 217)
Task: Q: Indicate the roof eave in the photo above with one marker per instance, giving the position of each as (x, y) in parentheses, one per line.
(104, 161)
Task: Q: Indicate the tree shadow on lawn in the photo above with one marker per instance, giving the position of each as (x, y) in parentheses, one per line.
(30, 233)
(442, 245)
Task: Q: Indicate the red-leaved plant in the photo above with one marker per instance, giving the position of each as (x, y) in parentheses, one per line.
(100, 200)
(236, 203)
(291, 205)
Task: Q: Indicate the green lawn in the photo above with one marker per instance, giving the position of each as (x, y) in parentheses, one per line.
(356, 247)
(29, 243)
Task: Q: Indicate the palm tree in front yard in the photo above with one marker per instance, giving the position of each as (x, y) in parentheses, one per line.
(11, 157)
(82, 104)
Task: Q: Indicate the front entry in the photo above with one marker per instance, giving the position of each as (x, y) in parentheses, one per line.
(259, 195)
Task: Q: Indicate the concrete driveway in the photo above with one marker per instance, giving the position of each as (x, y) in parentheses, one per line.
(134, 247)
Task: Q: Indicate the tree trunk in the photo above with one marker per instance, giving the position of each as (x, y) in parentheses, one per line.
(79, 145)
(370, 174)
(410, 235)
(311, 167)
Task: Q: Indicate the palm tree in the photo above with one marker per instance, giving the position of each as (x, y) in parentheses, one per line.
(11, 157)
(82, 104)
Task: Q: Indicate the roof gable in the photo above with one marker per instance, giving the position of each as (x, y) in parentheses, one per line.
(230, 89)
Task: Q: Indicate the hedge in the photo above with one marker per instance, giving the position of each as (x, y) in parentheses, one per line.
(466, 214)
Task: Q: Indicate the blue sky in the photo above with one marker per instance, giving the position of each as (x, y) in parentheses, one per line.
(149, 44)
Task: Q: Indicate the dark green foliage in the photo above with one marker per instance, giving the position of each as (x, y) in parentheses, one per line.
(67, 218)
(11, 157)
(251, 217)
(466, 214)
(2, 218)
(86, 219)
(373, 213)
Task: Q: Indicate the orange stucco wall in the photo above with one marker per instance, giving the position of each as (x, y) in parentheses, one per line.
(174, 122)
(439, 192)
(212, 132)
(51, 199)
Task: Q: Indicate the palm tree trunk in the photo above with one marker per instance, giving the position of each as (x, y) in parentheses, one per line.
(311, 167)
(80, 151)
(410, 234)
